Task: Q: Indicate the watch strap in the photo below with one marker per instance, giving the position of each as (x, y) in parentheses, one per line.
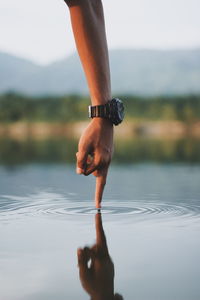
(101, 111)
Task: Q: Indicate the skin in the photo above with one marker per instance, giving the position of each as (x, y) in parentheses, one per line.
(98, 278)
(95, 147)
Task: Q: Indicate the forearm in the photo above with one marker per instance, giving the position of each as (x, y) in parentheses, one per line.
(89, 32)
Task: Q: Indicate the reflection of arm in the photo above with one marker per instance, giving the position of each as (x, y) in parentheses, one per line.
(98, 279)
(115, 297)
(89, 32)
(101, 243)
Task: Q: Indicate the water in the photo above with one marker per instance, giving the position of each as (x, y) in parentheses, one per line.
(150, 216)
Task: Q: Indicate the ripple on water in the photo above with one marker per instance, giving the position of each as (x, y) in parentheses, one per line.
(57, 205)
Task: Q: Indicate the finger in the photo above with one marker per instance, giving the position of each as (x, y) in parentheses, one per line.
(100, 184)
(100, 235)
(92, 165)
(83, 259)
(82, 256)
(93, 256)
(90, 169)
(81, 161)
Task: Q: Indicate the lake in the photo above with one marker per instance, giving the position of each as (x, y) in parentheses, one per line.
(150, 218)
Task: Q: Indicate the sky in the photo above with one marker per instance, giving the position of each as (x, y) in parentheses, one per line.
(40, 30)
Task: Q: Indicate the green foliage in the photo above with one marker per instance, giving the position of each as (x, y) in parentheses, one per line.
(184, 108)
(15, 107)
(135, 150)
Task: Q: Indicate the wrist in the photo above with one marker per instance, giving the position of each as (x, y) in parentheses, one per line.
(100, 122)
(101, 100)
(103, 297)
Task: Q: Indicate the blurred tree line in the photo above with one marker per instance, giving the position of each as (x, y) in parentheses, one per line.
(59, 150)
(15, 107)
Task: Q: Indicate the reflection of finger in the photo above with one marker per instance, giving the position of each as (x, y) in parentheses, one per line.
(100, 184)
(81, 161)
(83, 259)
(100, 235)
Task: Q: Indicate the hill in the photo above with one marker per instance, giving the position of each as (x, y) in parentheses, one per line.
(142, 72)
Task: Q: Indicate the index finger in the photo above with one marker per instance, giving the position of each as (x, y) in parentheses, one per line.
(100, 184)
(100, 235)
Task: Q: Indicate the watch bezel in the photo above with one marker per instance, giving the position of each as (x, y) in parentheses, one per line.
(115, 115)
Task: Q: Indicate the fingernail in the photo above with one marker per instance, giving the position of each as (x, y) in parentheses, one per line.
(79, 170)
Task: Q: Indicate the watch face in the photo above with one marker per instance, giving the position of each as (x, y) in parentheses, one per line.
(117, 111)
(120, 108)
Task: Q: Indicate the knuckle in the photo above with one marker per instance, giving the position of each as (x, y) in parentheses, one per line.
(103, 159)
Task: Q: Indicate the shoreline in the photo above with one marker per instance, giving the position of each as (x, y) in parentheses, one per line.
(128, 129)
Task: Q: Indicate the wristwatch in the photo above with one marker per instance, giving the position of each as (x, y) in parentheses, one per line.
(112, 110)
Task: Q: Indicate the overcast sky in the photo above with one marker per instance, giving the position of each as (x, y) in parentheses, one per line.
(40, 30)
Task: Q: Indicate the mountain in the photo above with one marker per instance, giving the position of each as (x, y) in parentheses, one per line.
(143, 72)
(13, 70)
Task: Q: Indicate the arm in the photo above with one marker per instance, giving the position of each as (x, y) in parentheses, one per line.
(97, 141)
(89, 32)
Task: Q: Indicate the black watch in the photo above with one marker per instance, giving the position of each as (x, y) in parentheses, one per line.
(112, 110)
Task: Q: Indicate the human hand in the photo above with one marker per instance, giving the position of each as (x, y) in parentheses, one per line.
(94, 154)
(98, 278)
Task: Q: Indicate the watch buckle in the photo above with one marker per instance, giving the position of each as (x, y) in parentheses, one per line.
(90, 111)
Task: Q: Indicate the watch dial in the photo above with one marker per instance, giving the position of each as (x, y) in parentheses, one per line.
(117, 111)
(120, 107)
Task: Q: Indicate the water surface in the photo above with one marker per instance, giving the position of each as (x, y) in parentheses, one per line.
(150, 215)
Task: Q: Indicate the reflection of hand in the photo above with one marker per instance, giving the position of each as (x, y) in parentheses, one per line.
(97, 279)
(95, 152)
(96, 268)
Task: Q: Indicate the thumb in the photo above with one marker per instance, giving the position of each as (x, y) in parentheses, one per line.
(81, 164)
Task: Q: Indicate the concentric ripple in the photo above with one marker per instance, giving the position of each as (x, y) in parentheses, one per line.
(57, 205)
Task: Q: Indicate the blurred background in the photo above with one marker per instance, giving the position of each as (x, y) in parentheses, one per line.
(155, 68)
(151, 202)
